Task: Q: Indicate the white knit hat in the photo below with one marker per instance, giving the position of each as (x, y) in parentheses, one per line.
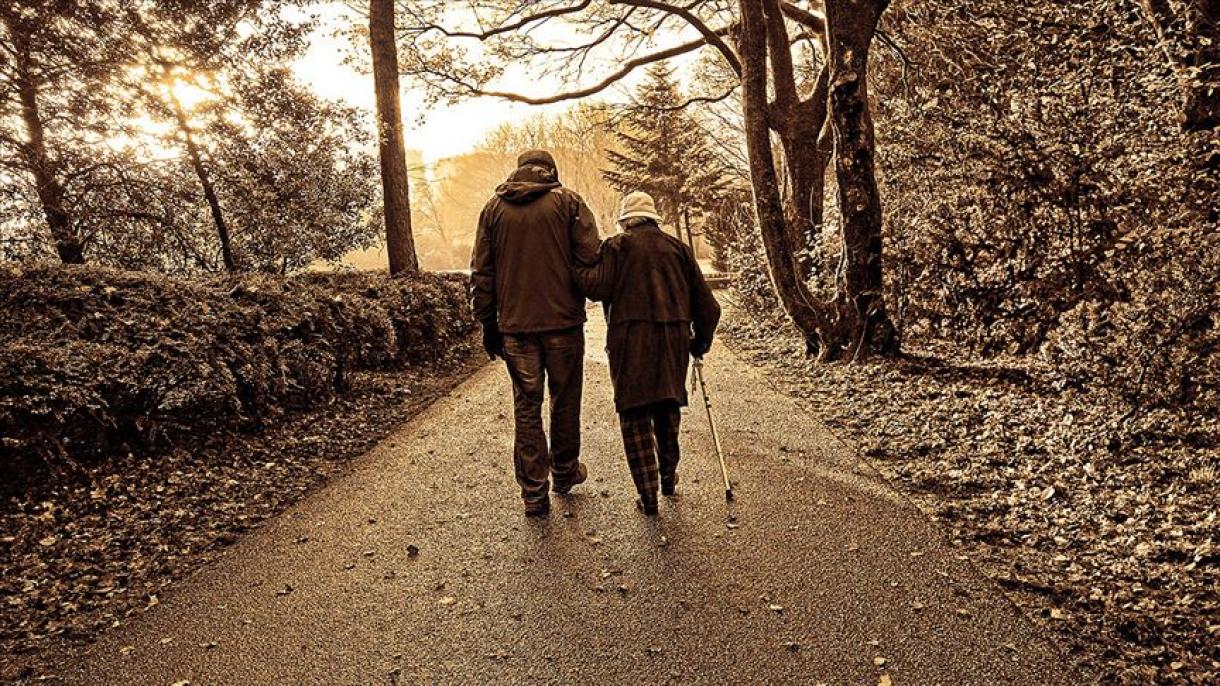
(638, 204)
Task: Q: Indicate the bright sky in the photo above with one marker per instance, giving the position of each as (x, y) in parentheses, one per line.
(446, 130)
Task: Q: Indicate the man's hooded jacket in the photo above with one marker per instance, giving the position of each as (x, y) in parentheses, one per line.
(530, 235)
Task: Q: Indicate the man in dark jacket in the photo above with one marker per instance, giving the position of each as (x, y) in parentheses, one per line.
(531, 235)
(660, 311)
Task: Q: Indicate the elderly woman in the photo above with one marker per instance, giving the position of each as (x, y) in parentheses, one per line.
(660, 311)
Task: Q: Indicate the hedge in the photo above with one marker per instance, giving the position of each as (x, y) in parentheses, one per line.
(95, 360)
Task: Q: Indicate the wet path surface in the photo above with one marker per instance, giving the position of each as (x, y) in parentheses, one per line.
(818, 572)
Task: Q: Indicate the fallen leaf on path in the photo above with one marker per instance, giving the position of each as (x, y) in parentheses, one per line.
(285, 590)
(885, 680)
(792, 646)
(775, 608)
(880, 661)
(447, 600)
(412, 550)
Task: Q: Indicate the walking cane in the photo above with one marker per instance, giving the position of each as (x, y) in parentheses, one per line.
(707, 404)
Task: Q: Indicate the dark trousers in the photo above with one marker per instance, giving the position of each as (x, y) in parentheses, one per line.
(553, 360)
(650, 437)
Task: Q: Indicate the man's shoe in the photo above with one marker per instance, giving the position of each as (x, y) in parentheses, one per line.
(538, 508)
(648, 507)
(565, 487)
(669, 484)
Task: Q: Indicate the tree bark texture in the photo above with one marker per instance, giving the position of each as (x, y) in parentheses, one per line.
(400, 243)
(777, 239)
(850, 29)
(797, 122)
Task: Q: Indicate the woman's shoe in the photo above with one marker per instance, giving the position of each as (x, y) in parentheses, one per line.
(668, 484)
(647, 507)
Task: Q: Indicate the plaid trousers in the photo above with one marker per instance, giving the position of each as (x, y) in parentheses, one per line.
(651, 432)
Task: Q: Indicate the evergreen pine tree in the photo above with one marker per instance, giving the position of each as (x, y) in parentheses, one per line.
(665, 153)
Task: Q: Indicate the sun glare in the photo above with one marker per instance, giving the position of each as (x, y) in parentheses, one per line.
(188, 94)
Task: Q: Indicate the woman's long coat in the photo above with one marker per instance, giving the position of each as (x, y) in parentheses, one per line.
(657, 304)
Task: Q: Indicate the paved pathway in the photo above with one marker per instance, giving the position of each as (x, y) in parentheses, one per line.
(819, 572)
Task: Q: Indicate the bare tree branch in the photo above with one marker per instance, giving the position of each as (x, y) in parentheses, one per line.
(813, 21)
(505, 28)
(628, 67)
(709, 35)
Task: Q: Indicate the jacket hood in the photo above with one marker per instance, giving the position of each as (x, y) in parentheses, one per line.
(528, 183)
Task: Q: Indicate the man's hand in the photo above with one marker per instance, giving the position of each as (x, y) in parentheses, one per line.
(493, 340)
(699, 348)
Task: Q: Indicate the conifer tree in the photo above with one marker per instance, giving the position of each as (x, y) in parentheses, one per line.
(665, 153)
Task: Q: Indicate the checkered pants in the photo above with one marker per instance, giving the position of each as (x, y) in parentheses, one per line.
(649, 433)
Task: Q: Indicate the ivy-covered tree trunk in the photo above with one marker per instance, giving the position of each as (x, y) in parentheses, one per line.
(859, 284)
(400, 243)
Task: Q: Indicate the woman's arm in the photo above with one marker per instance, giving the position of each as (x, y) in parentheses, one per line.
(705, 311)
(596, 281)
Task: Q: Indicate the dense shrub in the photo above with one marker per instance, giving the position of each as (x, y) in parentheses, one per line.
(1042, 197)
(96, 361)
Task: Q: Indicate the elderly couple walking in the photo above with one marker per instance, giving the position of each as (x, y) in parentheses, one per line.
(537, 257)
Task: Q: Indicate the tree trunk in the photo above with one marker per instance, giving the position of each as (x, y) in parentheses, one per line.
(205, 180)
(798, 124)
(850, 29)
(776, 237)
(805, 177)
(68, 244)
(400, 243)
(690, 236)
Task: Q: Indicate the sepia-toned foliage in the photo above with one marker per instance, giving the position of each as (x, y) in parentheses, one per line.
(171, 136)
